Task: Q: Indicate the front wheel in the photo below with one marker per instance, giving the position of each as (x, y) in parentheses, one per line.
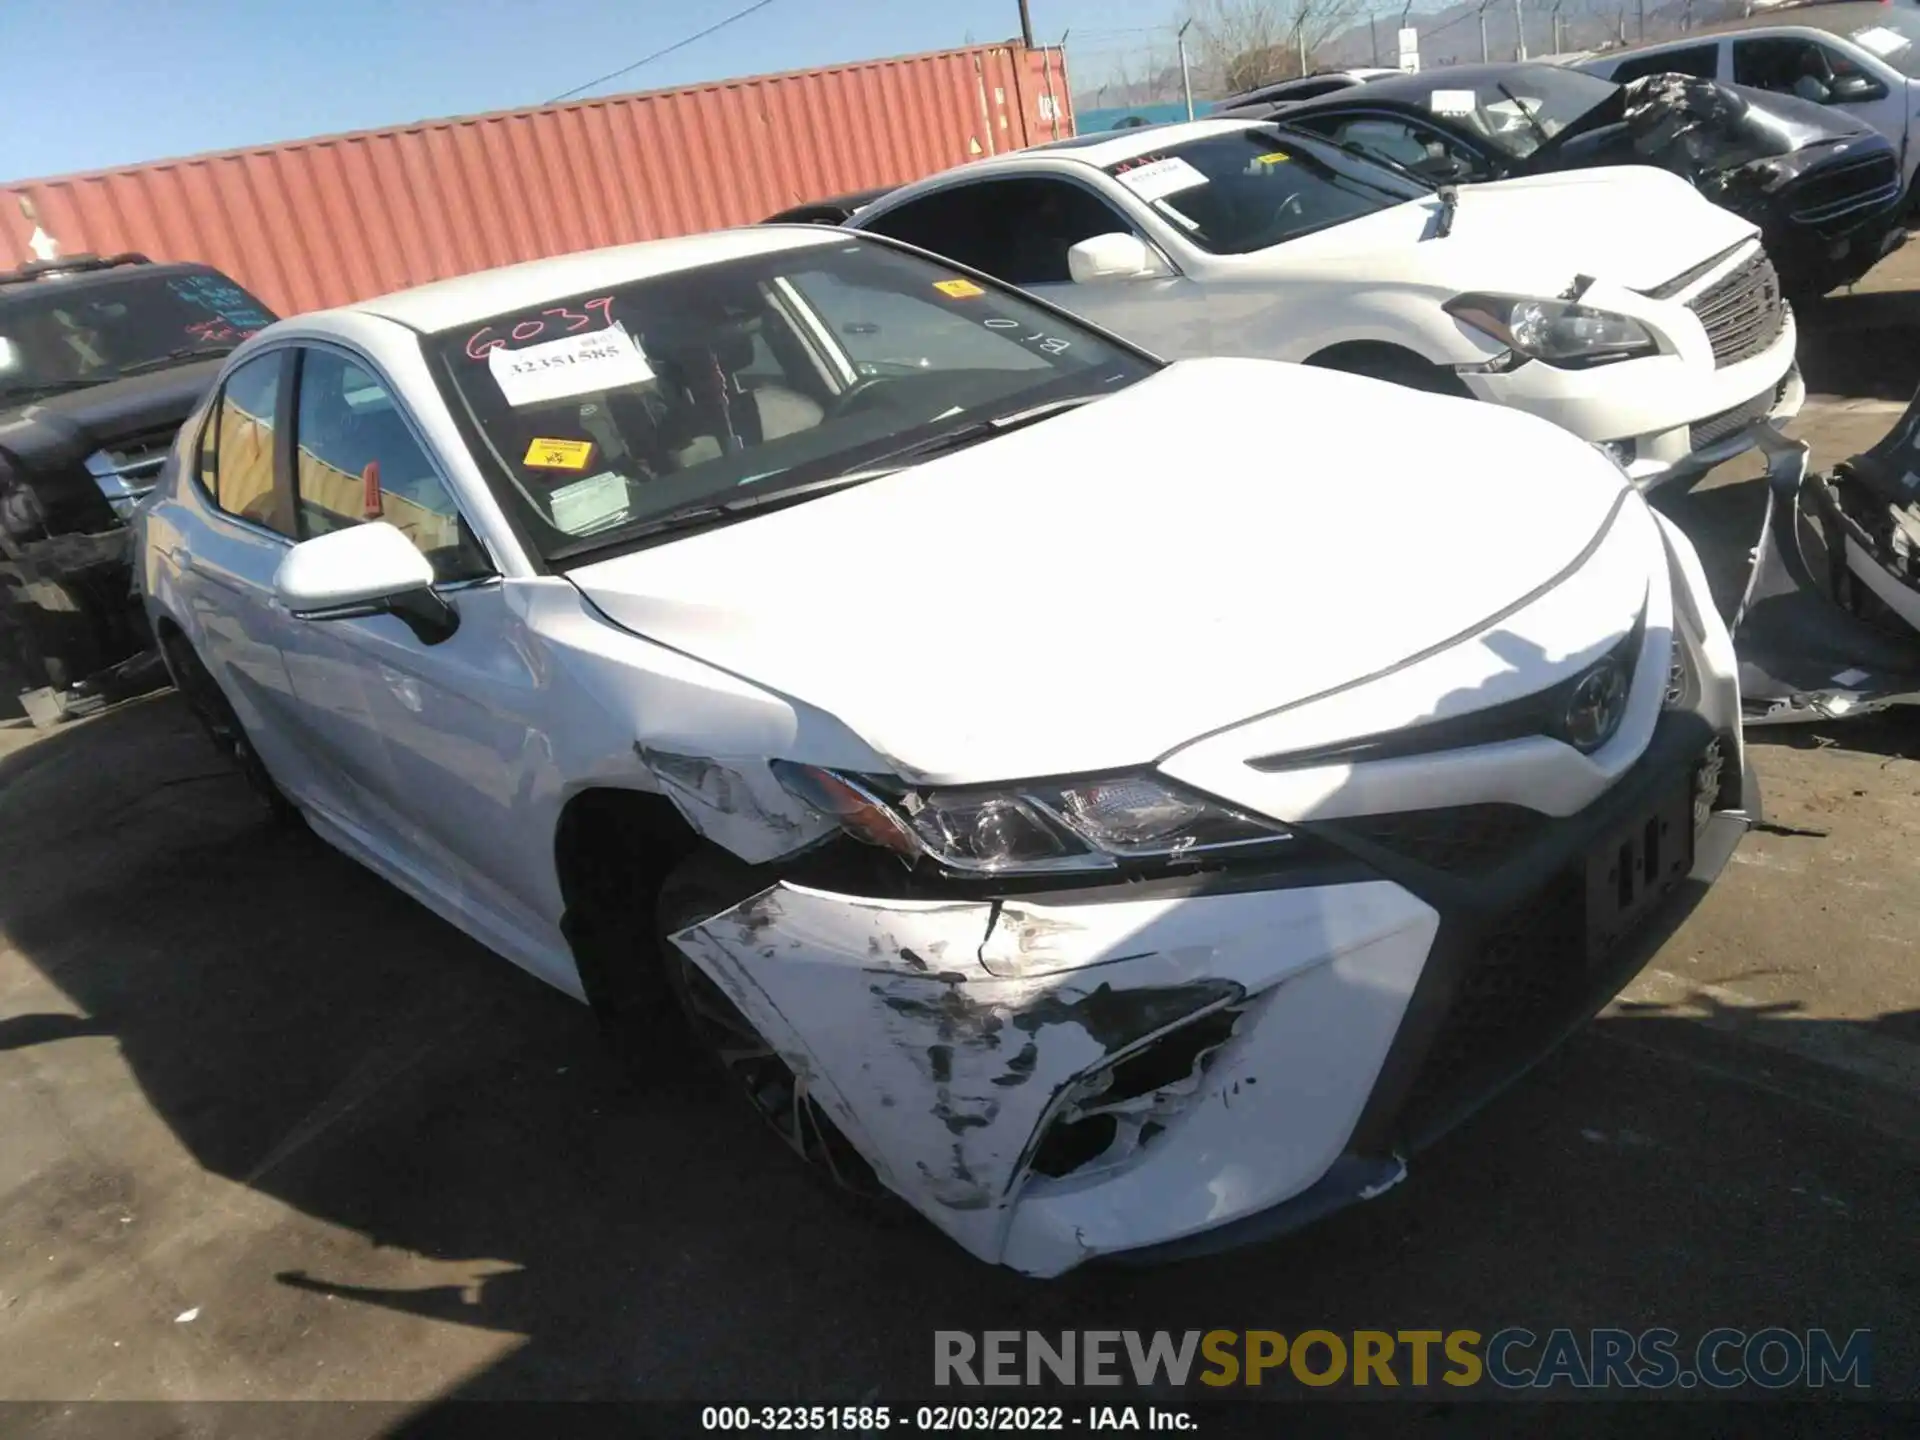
(699, 889)
(1397, 367)
(216, 715)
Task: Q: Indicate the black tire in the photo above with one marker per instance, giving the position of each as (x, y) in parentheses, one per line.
(1398, 367)
(211, 708)
(702, 887)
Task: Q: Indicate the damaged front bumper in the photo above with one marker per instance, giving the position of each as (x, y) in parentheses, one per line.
(1149, 1069)
(1829, 623)
(1663, 419)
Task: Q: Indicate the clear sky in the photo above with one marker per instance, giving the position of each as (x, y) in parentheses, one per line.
(92, 83)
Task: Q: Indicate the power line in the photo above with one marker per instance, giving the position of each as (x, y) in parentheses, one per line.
(677, 45)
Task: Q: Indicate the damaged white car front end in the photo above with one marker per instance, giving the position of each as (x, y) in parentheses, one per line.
(1230, 965)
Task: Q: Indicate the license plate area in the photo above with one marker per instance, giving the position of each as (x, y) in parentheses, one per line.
(1629, 872)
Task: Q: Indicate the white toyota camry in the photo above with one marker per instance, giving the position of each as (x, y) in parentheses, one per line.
(1055, 804)
(1618, 303)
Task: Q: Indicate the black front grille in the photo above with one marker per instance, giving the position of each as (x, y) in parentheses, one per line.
(1743, 312)
(1455, 839)
(1528, 974)
(1529, 979)
(1714, 428)
(1846, 193)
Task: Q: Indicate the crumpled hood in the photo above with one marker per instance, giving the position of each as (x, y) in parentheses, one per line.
(1630, 225)
(1219, 540)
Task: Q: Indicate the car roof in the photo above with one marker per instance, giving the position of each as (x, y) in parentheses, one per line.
(1841, 18)
(53, 280)
(1452, 77)
(1113, 146)
(446, 303)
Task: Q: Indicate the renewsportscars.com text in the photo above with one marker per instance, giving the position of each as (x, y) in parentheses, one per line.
(1514, 1358)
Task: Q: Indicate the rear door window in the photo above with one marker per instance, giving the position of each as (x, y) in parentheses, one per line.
(1700, 61)
(238, 470)
(1016, 230)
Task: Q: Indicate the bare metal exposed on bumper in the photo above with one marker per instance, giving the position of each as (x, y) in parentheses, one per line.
(947, 1039)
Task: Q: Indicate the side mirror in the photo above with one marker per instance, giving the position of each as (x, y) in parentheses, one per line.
(1855, 88)
(369, 569)
(1118, 256)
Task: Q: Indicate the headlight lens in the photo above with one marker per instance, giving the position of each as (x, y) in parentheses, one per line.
(1556, 331)
(1080, 825)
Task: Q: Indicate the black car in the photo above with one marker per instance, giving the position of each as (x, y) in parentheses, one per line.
(834, 210)
(1823, 188)
(101, 359)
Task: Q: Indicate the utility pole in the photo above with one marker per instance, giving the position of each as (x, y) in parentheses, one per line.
(1186, 76)
(1373, 29)
(1484, 56)
(1520, 32)
(1026, 26)
(1642, 32)
(1300, 38)
(1559, 47)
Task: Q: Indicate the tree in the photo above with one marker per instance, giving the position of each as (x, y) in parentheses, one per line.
(1239, 44)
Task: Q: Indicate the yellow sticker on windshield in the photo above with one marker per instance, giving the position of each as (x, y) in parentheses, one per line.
(1273, 157)
(558, 454)
(958, 289)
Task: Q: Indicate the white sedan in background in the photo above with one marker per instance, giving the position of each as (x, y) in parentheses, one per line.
(1618, 303)
(1022, 781)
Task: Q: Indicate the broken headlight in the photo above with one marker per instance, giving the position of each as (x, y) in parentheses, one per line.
(1558, 332)
(1090, 824)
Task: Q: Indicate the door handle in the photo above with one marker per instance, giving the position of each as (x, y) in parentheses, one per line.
(183, 559)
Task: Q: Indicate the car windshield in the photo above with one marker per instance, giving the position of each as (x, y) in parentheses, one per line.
(599, 416)
(68, 333)
(1894, 36)
(1520, 110)
(1246, 190)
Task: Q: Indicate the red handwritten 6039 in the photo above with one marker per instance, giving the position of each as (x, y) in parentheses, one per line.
(564, 322)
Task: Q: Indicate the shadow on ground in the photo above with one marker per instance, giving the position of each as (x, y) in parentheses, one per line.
(306, 1031)
(1864, 345)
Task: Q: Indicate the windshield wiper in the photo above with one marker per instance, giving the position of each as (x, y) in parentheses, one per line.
(1385, 161)
(1525, 113)
(174, 357)
(960, 438)
(696, 517)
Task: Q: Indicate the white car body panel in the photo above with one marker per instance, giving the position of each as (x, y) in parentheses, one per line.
(1123, 585)
(1382, 279)
(1222, 552)
(1894, 115)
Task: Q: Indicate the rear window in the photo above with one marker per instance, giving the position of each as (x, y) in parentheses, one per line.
(1251, 189)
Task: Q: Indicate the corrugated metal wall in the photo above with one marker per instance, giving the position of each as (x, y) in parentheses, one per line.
(311, 223)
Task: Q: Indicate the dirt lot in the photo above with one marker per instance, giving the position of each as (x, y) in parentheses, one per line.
(272, 1131)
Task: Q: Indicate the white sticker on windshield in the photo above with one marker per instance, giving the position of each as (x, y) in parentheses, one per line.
(1452, 102)
(1161, 178)
(1880, 40)
(572, 365)
(589, 504)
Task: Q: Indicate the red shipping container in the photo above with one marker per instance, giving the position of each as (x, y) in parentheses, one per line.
(309, 223)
